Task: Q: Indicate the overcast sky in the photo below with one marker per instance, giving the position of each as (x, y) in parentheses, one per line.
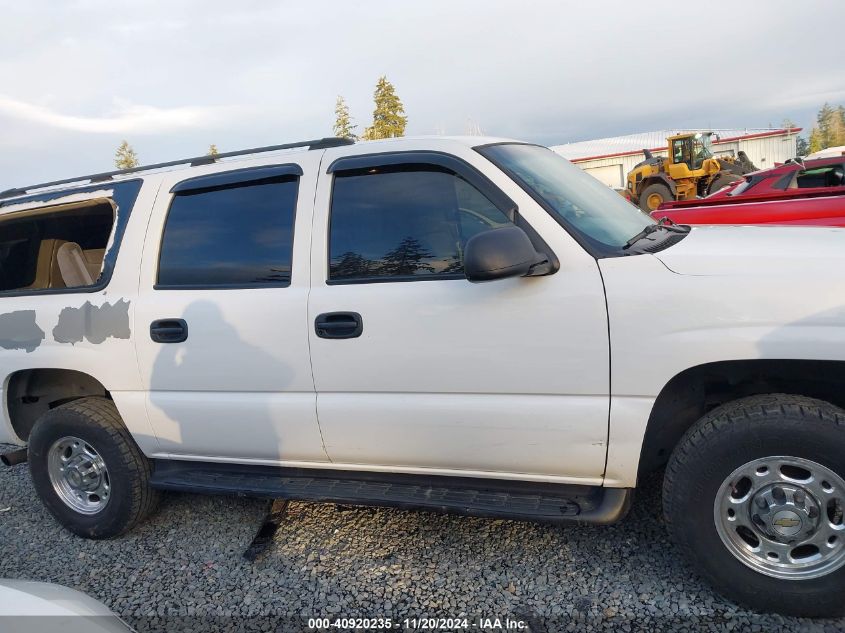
(76, 77)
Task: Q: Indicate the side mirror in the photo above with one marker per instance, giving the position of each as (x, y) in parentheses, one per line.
(499, 254)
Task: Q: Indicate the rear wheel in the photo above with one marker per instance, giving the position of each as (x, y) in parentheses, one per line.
(754, 495)
(653, 196)
(88, 470)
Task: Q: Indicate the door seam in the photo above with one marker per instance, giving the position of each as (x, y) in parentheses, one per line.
(609, 374)
(308, 306)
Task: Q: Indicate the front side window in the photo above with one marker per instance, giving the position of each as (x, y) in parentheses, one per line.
(680, 151)
(55, 248)
(230, 236)
(595, 212)
(405, 222)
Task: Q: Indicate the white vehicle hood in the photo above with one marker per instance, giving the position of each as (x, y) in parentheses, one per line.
(757, 250)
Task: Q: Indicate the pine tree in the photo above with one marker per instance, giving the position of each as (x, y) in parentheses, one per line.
(343, 127)
(830, 131)
(125, 157)
(351, 264)
(836, 127)
(825, 120)
(408, 258)
(389, 118)
(212, 150)
(816, 142)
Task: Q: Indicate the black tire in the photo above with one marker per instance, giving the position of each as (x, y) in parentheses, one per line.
(653, 189)
(724, 440)
(95, 421)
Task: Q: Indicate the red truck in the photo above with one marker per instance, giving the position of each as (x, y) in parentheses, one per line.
(799, 192)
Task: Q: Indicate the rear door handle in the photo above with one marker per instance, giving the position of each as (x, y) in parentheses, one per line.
(339, 325)
(169, 331)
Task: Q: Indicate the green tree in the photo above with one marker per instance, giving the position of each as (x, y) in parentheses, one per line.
(408, 258)
(352, 264)
(836, 127)
(830, 131)
(212, 150)
(816, 142)
(389, 118)
(343, 126)
(125, 157)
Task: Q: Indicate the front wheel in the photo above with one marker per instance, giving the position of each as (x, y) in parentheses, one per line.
(754, 495)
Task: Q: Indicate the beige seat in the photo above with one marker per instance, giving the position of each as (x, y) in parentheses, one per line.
(94, 261)
(47, 273)
(72, 265)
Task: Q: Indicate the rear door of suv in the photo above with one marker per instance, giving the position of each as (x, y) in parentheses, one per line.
(418, 369)
(222, 333)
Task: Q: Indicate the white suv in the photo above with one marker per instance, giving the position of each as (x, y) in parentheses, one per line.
(309, 321)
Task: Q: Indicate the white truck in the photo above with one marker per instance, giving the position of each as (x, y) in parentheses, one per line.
(454, 324)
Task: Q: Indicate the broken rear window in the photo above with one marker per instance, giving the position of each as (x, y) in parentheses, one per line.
(55, 247)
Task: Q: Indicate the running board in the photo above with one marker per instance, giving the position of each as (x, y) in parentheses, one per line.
(544, 502)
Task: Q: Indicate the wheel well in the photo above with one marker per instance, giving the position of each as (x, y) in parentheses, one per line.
(695, 391)
(32, 392)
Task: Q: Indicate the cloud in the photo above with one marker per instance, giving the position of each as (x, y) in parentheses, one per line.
(253, 72)
(125, 117)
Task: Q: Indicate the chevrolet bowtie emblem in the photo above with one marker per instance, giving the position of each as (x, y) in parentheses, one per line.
(786, 522)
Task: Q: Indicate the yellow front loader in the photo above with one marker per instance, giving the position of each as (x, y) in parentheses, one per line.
(690, 170)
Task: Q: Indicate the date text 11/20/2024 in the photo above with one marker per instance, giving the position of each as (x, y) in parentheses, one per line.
(420, 624)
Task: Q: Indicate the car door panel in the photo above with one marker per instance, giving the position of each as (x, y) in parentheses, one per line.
(239, 387)
(508, 376)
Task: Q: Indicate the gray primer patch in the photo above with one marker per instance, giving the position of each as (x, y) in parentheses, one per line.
(95, 323)
(18, 330)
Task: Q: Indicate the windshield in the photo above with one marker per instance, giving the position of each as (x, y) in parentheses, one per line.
(596, 213)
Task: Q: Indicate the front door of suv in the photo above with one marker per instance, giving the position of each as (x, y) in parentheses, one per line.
(221, 323)
(445, 376)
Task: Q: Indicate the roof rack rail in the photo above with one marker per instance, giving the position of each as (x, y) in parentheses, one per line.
(321, 143)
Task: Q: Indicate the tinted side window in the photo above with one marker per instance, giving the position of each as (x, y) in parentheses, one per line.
(234, 236)
(406, 222)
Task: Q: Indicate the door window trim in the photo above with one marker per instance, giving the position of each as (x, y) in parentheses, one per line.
(426, 158)
(235, 177)
(232, 179)
(449, 162)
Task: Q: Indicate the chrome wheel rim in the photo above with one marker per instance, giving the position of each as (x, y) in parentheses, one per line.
(783, 517)
(79, 475)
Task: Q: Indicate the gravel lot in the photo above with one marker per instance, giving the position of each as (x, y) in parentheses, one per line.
(331, 561)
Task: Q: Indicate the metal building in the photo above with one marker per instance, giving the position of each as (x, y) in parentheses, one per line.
(610, 159)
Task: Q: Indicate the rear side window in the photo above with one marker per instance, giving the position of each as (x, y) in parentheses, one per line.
(55, 248)
(404, 223)
(236, 236)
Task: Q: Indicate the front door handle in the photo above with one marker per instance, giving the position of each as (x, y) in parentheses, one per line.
(169, 331)
(339, 325)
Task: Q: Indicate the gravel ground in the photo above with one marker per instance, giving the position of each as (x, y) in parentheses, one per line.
(184, 567)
